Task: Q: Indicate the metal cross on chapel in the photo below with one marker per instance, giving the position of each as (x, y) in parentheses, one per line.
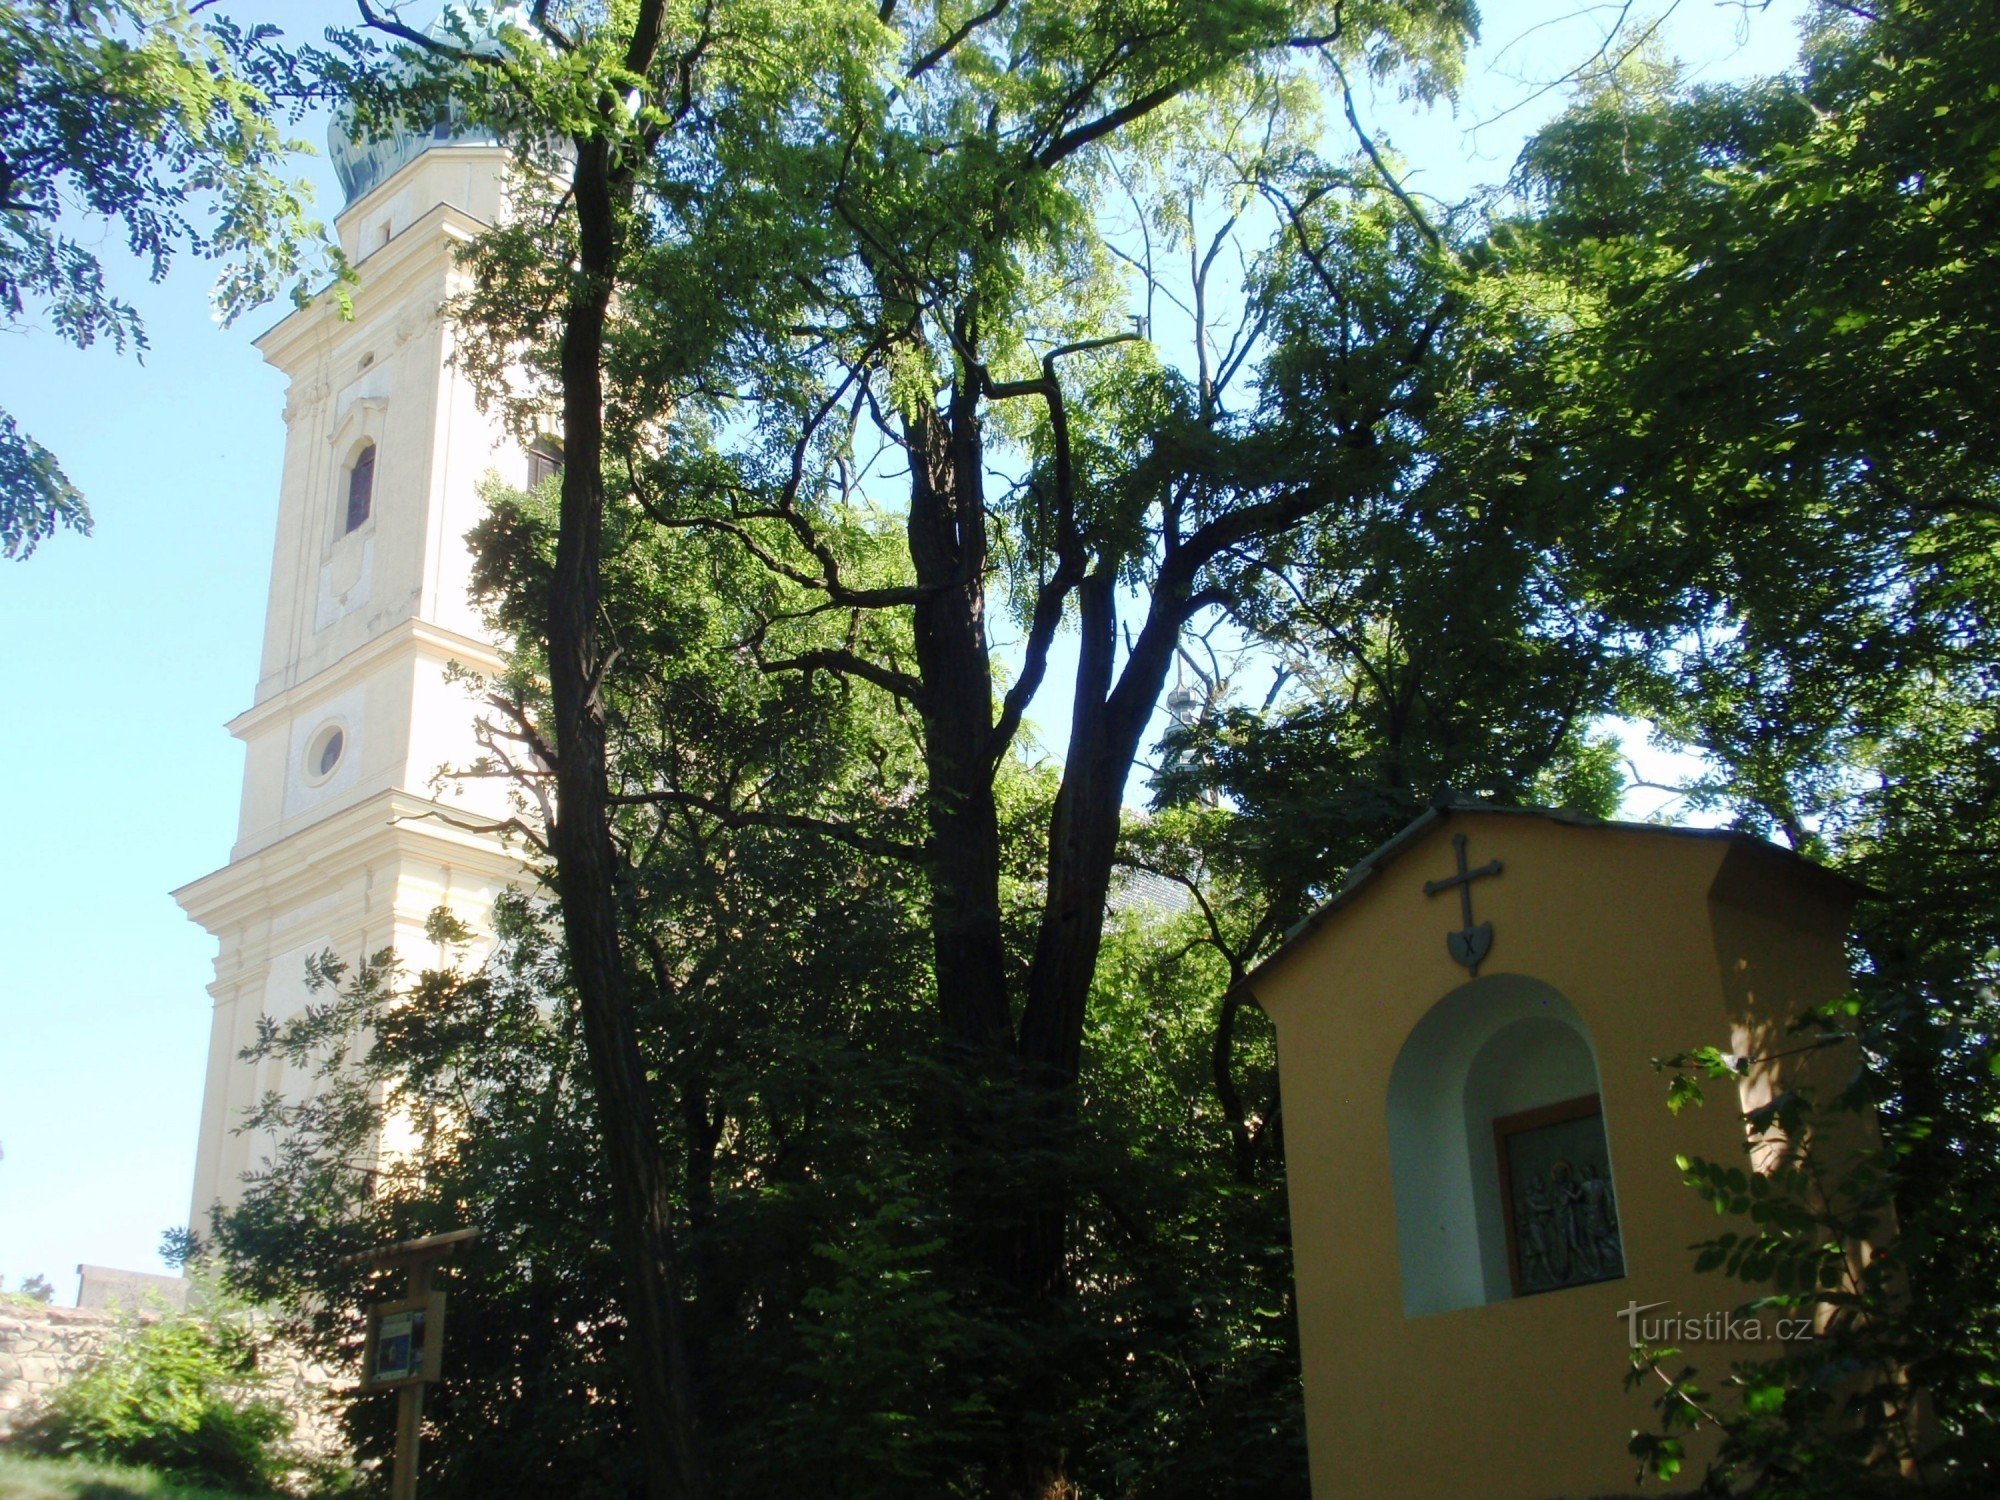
(1470, 944)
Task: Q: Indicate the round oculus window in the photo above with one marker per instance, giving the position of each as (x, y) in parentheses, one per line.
(324, 750)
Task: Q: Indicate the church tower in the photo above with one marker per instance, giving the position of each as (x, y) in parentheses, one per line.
(339, 847)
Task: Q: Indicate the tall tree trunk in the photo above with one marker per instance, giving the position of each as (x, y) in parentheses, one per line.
(586, 865)
(947, 538)
(992, 1127)
(1108, 715)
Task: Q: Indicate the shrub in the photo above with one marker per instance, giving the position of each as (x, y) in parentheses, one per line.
(180, 1395)
(1823, 1239)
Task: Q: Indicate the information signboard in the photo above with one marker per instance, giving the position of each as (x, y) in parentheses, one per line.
(405, 1342)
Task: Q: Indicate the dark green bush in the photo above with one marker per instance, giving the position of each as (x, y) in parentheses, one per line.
(180, 1395)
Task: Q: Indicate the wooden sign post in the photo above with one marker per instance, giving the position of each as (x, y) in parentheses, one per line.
(405, 1346)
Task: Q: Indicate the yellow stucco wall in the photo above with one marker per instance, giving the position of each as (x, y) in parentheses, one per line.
(1660, 942)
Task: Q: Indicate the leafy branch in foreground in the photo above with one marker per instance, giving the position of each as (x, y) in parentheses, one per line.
(162, 123)
(1839, 1408)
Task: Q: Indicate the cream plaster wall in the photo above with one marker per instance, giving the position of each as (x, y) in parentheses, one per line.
(351, 897)
(470, 178)
(361, 631)
(403, 719)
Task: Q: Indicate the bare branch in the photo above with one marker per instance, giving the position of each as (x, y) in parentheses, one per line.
(480, 825)
(850, 834)
(1071, 562)
(1395, 184)
(946, 47)
(849, 664)
(391, 24)
(1073, 141)
(826, 582)
(553, 34)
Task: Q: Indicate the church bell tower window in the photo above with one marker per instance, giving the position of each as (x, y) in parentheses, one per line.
(323, 752)
(360, 488)
(545, 460)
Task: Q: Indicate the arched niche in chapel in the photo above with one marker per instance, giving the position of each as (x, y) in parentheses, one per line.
(1500, 1167)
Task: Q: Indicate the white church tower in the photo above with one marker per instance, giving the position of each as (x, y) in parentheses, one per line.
(354, 713)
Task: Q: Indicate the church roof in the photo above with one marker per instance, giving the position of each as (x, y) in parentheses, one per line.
(1147, 891)
(1447, 803)
(363, 160)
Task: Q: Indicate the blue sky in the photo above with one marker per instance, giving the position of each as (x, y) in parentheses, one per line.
(126, 652)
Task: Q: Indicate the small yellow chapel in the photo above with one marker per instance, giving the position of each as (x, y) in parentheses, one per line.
(1482, 1175)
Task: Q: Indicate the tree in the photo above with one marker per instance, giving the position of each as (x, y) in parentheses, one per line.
(1442, 632)
(36, 1287)
(838, 1338)
(1777, 357)
(160, 122)
(1439, 634)
(779, 223)
(1734, 429)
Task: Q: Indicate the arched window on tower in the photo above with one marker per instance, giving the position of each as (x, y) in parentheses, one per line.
(360, 487)
(545, 460)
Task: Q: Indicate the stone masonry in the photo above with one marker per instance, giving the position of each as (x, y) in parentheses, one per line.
(42, 1346)
(39, 1348)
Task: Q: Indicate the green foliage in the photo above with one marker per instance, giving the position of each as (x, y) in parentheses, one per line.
(1842, 1411)
(142, 116)
(531, 1338)
(1782, 335)
(1187, 1238)
(35, 1289)
(26, 1478)
(35, 495)
(177, 1393)
(1440, 629)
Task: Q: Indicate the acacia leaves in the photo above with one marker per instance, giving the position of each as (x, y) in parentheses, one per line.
(165, 125)
(1776, 370)
(1787, 344)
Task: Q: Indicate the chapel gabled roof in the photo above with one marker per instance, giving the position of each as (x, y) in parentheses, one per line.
(1448, 803)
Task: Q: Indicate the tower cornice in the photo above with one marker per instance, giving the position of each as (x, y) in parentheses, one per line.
(411, 636)
(291, 870)
(409, 257)
(379, 194)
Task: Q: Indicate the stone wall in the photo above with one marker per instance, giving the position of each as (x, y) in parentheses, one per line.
(39, 1347)
(107, 1288)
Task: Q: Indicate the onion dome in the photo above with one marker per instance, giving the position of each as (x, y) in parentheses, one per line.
(363, 161)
